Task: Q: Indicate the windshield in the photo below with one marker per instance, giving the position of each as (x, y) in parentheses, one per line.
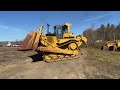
(65, 30)
(60, 30)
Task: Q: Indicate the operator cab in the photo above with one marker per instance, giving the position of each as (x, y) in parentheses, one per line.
(59, 30)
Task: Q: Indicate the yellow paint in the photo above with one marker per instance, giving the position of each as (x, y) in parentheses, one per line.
(50, 44)
(72, 46)
(37, 38)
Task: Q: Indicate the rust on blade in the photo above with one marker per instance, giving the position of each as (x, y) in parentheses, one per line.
(28, 42)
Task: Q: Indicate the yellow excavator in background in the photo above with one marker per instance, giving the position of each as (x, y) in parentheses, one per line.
(57, 46)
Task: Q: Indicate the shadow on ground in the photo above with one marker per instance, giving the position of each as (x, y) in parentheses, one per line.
(36, 57)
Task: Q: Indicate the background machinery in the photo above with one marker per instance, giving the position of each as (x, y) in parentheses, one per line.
(57, 46)
(111, 45)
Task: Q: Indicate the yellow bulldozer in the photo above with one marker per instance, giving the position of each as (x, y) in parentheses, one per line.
(57, 46)
(111, 45)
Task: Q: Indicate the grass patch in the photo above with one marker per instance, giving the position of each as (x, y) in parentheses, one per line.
(111, 57)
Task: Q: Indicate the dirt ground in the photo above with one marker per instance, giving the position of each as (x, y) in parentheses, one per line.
(28, 65)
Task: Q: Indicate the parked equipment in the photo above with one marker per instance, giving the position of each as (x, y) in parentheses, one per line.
(111, 45)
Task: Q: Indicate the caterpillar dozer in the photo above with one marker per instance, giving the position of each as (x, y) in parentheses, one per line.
(57, 46)
(111, 45)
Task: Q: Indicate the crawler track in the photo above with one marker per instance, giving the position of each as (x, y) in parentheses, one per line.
(56, 58)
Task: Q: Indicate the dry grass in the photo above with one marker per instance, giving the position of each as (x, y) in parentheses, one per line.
(111, 57)
(102, 64)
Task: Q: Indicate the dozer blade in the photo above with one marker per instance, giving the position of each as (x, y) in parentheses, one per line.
(28, 42)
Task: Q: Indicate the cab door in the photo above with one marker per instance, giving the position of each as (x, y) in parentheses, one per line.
(58, 31)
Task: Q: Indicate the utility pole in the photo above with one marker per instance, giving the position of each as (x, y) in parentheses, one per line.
(16, 41)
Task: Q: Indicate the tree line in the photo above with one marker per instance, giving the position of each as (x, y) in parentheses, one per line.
(102, 34)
